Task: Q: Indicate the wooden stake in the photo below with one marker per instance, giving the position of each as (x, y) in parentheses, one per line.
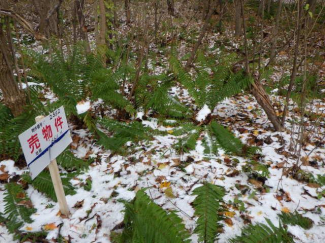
(57, 183)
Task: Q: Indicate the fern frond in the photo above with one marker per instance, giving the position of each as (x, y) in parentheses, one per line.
(71, 163)
(226, 139)
(263, 233)
(208, 142)
(9, 143)
(296, 219)
(187, 142)
(14, 209)
(122, 132)
(207, 204)
(230, 143)
(43, 183)
(256, 167)
(147, 222)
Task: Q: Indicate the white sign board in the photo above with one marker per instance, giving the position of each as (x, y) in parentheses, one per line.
(44, 141)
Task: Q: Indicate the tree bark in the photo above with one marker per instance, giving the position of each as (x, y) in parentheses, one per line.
(238, 18)
(13, 97)
(127, 11)
(202, 34)
(275, 32)
(295, 60)
(79, 5)
(102, 23)
(171, 7)
(48, 24)
(263, 100)
(257, 89)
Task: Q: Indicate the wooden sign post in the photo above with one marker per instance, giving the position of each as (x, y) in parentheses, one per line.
(56, 180)
(42, 143)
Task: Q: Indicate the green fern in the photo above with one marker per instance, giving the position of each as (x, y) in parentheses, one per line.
(9, 132)
(209, 142)
(71, 163)
(263, 233)
(230, 143)
(17, 210)
(159, 99)
(296, 219)
(145, 221)
(44, 184)
(226, 139)
(207, 205)
(188, 141)
(256, 167)
(13, 209)
(105, 85)
(122, 132)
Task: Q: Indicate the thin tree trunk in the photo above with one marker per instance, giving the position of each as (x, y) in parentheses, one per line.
(13, 97)
(46, 10)
(275, 32)
(79, 5)
(269, 3)
(171, 7)
(199, 41)
(127, 11)
(257, 89)
(238, 18)
(295, 60)
(102, 23)
(156, 19)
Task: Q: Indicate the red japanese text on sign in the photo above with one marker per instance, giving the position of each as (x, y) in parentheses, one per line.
(33, 143)
(58, 123)
(47, 132)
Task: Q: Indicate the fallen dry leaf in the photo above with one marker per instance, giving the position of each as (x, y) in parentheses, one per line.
(313, 185)
(29, 228)
(79, 204)
(230, 214)
(257, 184)
(169, 192)
(26, 203)
(4, 177)
(164, 184)
(161, 166)
(229, 222)
(49, 227)
(285, 210)
(2, 168)
(20, 195)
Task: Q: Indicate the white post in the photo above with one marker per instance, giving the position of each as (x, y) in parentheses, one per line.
(57, 183)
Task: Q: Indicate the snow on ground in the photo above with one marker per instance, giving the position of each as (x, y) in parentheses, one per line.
(115, 178)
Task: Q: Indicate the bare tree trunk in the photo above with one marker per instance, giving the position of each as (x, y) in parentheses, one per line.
(127, 11)
(269, 3)
(115, 21)
(79, 5)
(206, 8)
(312, 6)
(263, 100)
(257, 89)
(171, 7)
(102, 23)
(48, 17)
(198, 43)
(295, 59)
(275, 32)
(13, 97)
(156, 18)
(238, 18)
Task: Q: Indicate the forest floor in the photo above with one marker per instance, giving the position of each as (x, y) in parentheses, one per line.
(171, 176)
